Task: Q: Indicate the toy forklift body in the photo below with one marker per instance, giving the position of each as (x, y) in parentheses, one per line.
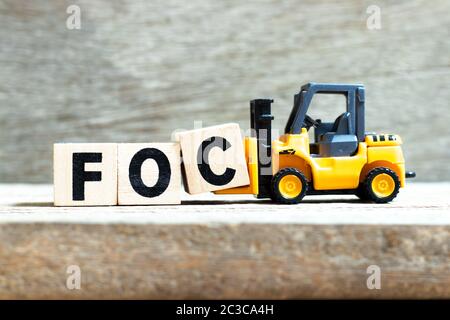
(342, 159)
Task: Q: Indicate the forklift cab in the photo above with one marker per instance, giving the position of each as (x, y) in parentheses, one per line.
(331, 139)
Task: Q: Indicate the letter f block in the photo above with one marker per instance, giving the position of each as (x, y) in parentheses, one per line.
(213, 158)
(85, 174)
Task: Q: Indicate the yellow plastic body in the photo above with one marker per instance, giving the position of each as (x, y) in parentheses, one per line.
(325, 173)
(374, 140)
(386, 156)
(330, 173)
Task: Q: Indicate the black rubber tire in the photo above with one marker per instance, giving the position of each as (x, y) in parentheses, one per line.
(361, 193)
(367, 185)
(276, 194)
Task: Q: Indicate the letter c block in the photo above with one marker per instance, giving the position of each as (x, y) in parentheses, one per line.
(213, 158)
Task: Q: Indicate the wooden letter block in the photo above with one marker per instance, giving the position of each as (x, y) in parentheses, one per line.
(85, 174)
(213, 158)
(149, 173)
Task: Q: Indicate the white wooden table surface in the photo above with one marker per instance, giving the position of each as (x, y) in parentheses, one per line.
(226, 247)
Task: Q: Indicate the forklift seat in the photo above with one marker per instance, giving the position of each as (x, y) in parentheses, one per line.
(342, 124)
(340, 141)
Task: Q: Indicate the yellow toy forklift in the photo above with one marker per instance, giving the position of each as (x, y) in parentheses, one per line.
(343, 159)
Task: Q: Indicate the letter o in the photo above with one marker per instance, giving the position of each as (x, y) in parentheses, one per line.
(135, 174)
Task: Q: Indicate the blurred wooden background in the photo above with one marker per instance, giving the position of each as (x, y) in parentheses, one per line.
(137, 70)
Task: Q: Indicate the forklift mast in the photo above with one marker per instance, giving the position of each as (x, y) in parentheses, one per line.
(261, 128)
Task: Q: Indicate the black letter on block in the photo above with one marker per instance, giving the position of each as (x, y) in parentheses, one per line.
(135, 177)
(203, 163)
(79, 175)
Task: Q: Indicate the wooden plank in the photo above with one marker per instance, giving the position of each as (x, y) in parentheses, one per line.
(226, 247)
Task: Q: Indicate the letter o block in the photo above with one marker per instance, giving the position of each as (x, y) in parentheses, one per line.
(213, 158)
(149, 173)
(85, 174)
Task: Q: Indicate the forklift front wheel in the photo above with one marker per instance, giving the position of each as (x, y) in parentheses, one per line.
(289, 186)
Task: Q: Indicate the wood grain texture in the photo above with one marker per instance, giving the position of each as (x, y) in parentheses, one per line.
(159, 175)
(226, 247)
(137, 70)
(95, 179)
(222, 164)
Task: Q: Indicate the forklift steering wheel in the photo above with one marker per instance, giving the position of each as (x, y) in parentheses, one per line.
(310, 122)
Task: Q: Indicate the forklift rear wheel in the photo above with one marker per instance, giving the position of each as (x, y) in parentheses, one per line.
(381, 185)
(289, 186)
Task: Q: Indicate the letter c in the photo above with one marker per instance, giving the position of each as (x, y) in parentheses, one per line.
(203, 161)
